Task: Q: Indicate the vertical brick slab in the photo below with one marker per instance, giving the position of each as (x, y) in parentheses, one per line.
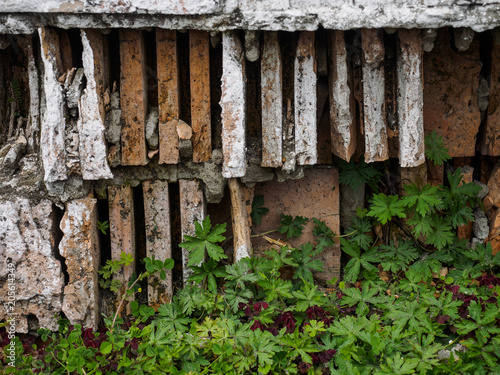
(494, 186)
(122, 230)
(306, 137)
(376, 147)
(199, 66)
(342, 118)
(133, 97)
(239, 214)
(410, 98)
(158, 237)
(66, 52)
(193, 209)
(451, 82)
(272, 101)
(80, 248)
(92, 144)
(233, 106)
(494, 236)
(54, 120)
(490, 143)
(315, 195)
(168, 95)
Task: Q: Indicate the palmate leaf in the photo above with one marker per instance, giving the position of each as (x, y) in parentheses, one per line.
(424, 200)
(205, 238)
(441, 234)
(385, 207)
(360, 229)
(257, 210)
(422, 225)
(434, 148)
(358, 260)
(292, 226)
(397, 257)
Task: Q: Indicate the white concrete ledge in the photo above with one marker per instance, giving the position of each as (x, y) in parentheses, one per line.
(24, 16)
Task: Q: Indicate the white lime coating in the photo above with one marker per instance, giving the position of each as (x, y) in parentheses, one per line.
(93, 151)
(233, 106)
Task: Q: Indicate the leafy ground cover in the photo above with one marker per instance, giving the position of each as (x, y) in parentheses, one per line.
(414, 298)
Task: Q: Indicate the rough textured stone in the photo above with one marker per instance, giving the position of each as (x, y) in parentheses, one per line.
(53, 120)
(168, 94)
(494, 186)
(410, 99)
(252, 45)
(255, 173)
(75, 88)
(193, 209)
(480, 227)
(494, 236)
(152, 129)
(239, 214)
(27, 242)
(490, 143)
(451, 83)
(80, 248)
(463, 37)
(233, 106)
(158, 238)
(11, 154)
(199, 65)
(133, 97)
(376, 147)
(306, 137)
(484, 189)
(343, 126)
(428, 38)
(184, 131)
(122, 231)
(319, 198)
(272, 101)
(92, 147)
(249, 14)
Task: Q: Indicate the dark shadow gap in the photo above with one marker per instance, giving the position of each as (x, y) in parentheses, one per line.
(175, 225)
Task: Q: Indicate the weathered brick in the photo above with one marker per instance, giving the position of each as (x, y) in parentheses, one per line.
(158, 237)
(319, 198)
(80, 248)
(239, 214)
(416, 175)
(494, 186)
(451, 82)
(376, 147)
(494, 236)
(199, 65)
(66, 51)
(490, 143)
(54, 121)
(435, 173)
(306, 137)
(410, 98)
(272, 101)
(342, 118)
(233, 106)
(133, 97)
(122, 230)
(168, 94)
(193, 209)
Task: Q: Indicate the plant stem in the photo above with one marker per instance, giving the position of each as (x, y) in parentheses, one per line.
(124, 297)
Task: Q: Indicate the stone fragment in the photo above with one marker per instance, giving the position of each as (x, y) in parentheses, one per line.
(463, 37)
(114, 126)
(158, 238)
(490, 141)
(319, 198)
(271, 101)
(494, 236)
(75, 89)
(80, 248)
(11, 154)
(410, 98)
(455, 115)
(306, 141)
(133, 97)
(185, 149)
(494, 186)
(122, 232)
(233, 104)
(428, 38)
(376, 146)
(480, 227)
(217, 156)
(53, 121)
(241, 227)
(255, 173)
(152, 128)
(342, 123)
(92, 143)
(29, 267)
(168, 95)
(484, 189)
(114, 156)
(483, 93)
(252, 45)
(193, 209)
(184, 131)
(199, 65)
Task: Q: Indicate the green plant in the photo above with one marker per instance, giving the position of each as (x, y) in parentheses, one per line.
(355, 174)
(435, 150)
(258, 210)
(103, 226)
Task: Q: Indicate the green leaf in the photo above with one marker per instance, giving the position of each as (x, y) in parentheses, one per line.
(435, 149)
(292, 226)
(169, 264)
(441, 234)
(360, 229)
(358, 260)
(356, 174)
(206, 239)
(384, 207)
(106, 347)
(424, 200)
(257, 210)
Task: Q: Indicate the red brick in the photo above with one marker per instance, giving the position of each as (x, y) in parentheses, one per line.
(490, 144)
